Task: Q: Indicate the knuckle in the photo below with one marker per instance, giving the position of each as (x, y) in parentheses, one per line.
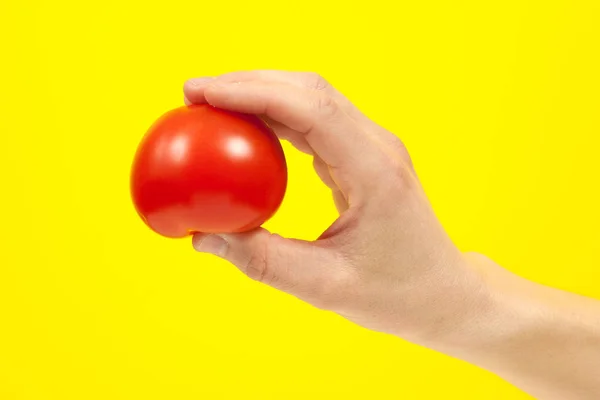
(326, 106)
(398, 179)
(257, 267)
(397, 144)
(401, 149)
(316, 82)
(394, 146)
(398, 163)
(400, 175)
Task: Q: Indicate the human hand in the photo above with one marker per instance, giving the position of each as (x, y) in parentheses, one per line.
(386, 263)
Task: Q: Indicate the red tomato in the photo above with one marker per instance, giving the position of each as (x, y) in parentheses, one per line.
(203, 169)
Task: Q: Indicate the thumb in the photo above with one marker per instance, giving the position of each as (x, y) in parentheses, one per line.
(294, 266)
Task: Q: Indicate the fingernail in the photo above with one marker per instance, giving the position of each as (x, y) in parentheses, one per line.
(194, 82)
(212, 244)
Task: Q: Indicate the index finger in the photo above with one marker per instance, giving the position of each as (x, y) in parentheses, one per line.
(354, 157)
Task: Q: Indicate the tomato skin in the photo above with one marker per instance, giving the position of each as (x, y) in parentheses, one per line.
(203, 169)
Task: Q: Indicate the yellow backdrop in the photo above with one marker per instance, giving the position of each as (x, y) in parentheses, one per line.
(497, 101)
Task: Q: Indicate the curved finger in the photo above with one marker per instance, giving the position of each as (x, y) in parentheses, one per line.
(353, 155)
(307, 80)
(194, 92)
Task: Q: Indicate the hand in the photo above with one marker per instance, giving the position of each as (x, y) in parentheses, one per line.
(386, 263)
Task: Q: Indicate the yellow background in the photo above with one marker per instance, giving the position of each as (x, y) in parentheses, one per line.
(497, 101)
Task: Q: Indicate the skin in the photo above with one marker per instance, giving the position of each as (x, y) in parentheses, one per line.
(386, 263)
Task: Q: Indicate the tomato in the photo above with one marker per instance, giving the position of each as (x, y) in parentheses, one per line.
(203, 169)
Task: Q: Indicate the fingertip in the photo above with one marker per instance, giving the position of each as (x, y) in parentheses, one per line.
(197, 239)
(211, 244)
(216, 94)
(235, 96)
(193, 90)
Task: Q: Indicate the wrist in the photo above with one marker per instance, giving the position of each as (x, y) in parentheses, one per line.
(503, 311)
(536, 337)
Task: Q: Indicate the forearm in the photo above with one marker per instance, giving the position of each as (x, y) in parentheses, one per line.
(544, 341)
